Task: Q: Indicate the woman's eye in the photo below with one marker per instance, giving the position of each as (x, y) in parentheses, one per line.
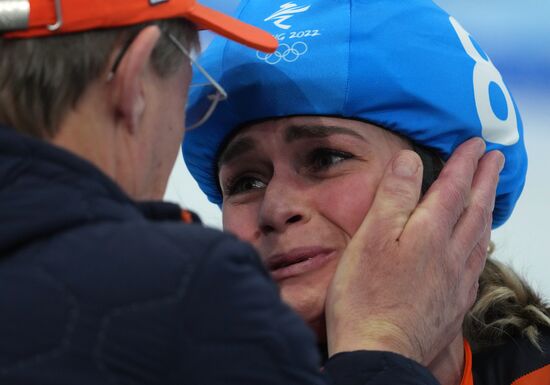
(324, 158)
(243, 184)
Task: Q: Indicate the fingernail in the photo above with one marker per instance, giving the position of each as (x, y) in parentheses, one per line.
(406, 165)
(481, 145)
(502, 161)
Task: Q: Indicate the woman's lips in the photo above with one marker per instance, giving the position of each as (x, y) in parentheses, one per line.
(298, 261)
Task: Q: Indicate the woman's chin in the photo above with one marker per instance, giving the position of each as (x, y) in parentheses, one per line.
(310, 307)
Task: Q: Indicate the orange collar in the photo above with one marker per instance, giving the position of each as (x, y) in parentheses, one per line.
(467, 376)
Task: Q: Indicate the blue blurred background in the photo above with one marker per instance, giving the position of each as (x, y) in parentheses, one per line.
(516, 35)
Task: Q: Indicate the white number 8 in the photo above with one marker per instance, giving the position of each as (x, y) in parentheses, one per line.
(493, 128)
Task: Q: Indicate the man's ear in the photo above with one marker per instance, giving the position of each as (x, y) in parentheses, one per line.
(128, 96)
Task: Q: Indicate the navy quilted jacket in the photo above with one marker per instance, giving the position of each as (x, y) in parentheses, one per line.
(96, 289)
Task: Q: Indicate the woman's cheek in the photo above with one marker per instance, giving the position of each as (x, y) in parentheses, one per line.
(240, 220)
(346, 201)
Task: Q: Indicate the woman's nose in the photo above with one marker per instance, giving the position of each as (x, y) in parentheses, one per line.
(283, 205)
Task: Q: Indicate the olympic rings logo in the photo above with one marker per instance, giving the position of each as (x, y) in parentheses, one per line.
(284, 52)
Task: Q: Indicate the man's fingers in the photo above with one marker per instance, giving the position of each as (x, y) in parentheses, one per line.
(447, 198)
(476, 261)
(473, 267)
(396, 198)
(477, 217)
(473, 233)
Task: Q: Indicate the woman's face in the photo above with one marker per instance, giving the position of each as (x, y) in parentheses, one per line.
(297, 189)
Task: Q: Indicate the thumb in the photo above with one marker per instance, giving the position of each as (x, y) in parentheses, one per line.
(396, 198)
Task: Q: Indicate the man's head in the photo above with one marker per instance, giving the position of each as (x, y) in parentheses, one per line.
(109, 81)
(41, 79)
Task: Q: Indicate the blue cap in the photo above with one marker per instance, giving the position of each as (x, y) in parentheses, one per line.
(406, 66)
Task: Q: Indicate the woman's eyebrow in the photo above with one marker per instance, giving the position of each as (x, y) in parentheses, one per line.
(236, 148)
(240, 146)
(297, 132)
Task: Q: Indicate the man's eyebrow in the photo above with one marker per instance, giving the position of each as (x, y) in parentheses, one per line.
(236, 148)
(296, 132)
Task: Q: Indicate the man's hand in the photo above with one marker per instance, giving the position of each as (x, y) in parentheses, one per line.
(411, 271)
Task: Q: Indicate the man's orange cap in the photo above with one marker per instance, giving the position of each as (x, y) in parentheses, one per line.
(35, 18)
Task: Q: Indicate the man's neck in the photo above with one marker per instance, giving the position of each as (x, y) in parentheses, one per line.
(89, 131)
(86, 130)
